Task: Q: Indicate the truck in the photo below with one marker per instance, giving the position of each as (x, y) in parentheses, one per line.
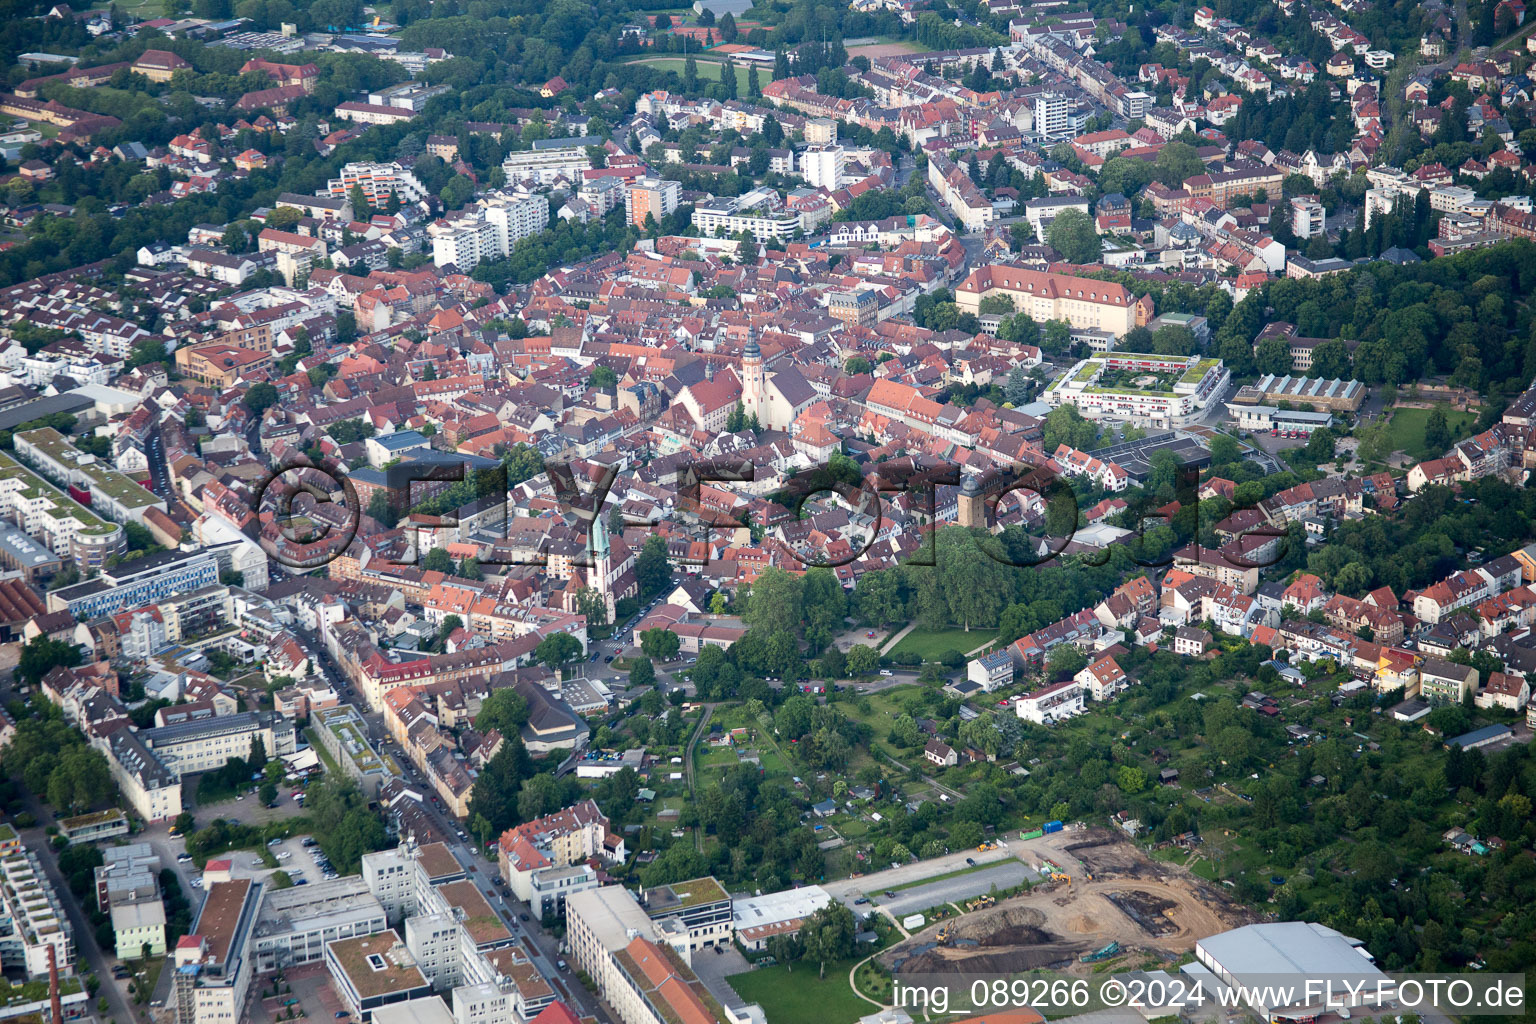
(1051, 826)
(913, 921)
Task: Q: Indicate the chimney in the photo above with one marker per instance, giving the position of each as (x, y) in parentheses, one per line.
(53, 984)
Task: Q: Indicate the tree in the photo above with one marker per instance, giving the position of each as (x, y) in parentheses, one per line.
(1176, 162)
(661, 644)
(438, 560)
(728, 30)
(1437, 432)
(458, 191)
(775, 602)
(1065, 658)
(862, 660)
(1019, 387)
(642, 673)
(1073, 235)
(1273, 355)
(663, 22)
(505, 710)
(236, 239)
(557, 649)
(450, 623)
(652, 569)
(41, 655)
(602, 377)
(1066, 426)
(830, 934)
(260, 396)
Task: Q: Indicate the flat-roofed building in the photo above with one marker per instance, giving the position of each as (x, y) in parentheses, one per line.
(32, 909)
(757, 919)
(294, 925)
(1253, 956)
(212, 966)
(371, 971)
(701, 904)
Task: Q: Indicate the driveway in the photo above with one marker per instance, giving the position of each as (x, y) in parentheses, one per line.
(713, 967)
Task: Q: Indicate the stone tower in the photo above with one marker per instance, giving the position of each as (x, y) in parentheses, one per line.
(973, 505)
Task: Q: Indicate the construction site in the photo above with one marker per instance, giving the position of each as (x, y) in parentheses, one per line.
(1100, 897)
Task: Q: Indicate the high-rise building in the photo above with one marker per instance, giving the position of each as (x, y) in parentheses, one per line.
(1051, 114)
(657, 197)
(822, 165)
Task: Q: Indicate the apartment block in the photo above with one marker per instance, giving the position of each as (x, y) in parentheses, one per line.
(139, 582)
(111, 492)
(549, 160)
(32, 919)
(66, 527)
(378, 181)
(653, 197)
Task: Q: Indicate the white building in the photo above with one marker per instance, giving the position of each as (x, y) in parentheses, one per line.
(1253, 957)
(32, 909)
(821, 166)
(1051, 704)
(378, 181)
(757, 919)
(463, 241)
(549, 159)
(487, 231)
(991, 671)
(294, 925)
(1052, 114)
(211, 976)
(1307, 217)
(761, 213)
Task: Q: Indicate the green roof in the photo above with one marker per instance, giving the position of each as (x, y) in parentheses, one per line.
(697, 891)
(35, 487)
(105, 478)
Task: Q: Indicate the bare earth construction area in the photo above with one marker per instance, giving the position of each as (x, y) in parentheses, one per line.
(1117, 894)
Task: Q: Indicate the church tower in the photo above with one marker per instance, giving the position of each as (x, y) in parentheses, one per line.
(754, 387)
(601, 574)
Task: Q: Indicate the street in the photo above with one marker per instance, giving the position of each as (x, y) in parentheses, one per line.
(542, 947)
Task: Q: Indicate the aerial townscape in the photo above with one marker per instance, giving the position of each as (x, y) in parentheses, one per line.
(765, 511)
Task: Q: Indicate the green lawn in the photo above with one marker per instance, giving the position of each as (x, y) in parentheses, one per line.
(710, 69)
(1407, 430)
(933, 644)
(799, 996)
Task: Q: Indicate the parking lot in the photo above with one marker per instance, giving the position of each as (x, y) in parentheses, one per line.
(299, 861)
(958, 889)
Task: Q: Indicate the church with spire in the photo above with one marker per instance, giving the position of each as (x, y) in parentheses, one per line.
(777, 398)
